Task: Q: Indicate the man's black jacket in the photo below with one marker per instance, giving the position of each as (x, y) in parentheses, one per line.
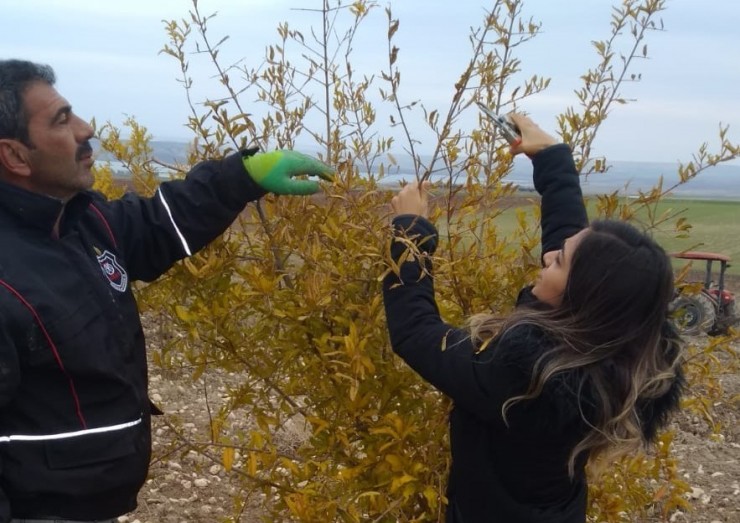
(74, 412)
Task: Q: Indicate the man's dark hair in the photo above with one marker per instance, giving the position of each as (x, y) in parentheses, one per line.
(15, 77)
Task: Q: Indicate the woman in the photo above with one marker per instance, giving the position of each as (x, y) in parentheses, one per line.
(586, 367)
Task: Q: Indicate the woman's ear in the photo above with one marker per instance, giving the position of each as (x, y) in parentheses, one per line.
(14, 158)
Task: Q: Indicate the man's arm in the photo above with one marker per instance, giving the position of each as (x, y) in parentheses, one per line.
(186, 215)
(181, 218)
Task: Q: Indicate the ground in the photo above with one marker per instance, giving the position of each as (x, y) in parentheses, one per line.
(187, 487)
(711, 464)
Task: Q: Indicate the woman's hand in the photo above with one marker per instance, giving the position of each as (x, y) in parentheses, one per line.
(534, 139)
(412, 199)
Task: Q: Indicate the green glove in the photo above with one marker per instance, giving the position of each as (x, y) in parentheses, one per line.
(274, 172)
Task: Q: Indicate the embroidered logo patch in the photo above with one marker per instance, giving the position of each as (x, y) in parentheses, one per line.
(113, 271)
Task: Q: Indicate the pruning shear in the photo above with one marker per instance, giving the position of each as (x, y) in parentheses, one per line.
(509, 131)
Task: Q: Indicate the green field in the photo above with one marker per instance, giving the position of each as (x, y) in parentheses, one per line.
(715, 228)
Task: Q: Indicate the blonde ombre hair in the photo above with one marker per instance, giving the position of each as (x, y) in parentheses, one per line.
(612, 329)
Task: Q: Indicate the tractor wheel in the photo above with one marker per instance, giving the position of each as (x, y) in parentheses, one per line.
(729, 319)
(693, 314)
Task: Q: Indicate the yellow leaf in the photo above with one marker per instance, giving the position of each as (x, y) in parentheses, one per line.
(431, 496)
(395, 462)
(252, 464)
(184, 314)
(399, 482)
(227, 458)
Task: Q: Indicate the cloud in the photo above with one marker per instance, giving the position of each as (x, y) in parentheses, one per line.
(144, 9)
(106, 57)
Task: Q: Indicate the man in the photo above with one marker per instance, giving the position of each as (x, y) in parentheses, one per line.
(74, 412)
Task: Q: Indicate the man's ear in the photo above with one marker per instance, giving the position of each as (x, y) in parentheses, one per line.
(14, 158)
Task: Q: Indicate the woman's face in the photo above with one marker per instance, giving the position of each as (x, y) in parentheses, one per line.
(552, 279)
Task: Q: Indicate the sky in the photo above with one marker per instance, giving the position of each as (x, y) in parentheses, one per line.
(106, 56)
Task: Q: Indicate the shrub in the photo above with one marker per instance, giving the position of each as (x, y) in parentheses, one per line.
(289, 299)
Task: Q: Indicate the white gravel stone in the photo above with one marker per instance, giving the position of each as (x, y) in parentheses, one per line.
(201, 482)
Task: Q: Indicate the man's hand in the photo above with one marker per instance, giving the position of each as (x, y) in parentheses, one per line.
(274, 172)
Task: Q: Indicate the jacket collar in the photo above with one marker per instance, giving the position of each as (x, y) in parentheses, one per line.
(38, 210)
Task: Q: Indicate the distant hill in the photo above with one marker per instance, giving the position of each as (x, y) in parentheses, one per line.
(627, 177)
(721, 182)
(165, 151)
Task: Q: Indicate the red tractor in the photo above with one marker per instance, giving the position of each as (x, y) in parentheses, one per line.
(712, 310)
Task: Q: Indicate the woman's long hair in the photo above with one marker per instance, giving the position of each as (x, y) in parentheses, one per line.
(612, 331)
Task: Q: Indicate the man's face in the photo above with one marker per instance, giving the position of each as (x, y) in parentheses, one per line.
(59, 155)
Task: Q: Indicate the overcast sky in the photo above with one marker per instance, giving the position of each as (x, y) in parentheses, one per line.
(106, 55)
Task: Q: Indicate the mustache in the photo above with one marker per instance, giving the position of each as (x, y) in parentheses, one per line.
(84, 149)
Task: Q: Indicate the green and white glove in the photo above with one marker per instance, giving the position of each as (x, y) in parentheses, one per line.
(274, 172)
